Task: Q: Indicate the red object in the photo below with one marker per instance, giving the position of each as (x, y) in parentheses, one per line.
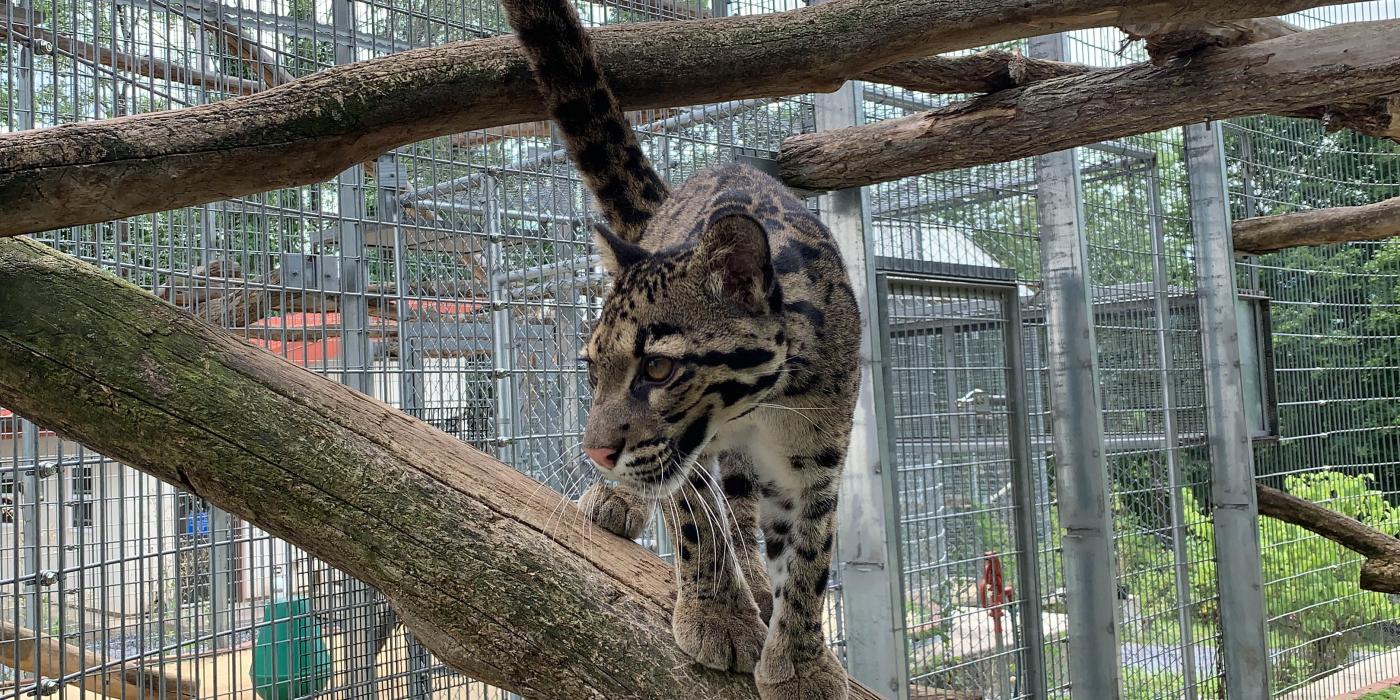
(992, 591)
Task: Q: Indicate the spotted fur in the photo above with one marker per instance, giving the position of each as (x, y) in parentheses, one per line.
(737, 288)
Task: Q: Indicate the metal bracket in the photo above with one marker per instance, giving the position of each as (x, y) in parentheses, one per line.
(307, 272)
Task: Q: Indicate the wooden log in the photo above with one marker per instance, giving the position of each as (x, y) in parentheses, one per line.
(312, 128)
(149, 67)
(1381, 570)
(24, 649)
(984, 71)
(1167, 42)
(501, 578)
(1170, 41)
(1352, 61)
(1370, 222)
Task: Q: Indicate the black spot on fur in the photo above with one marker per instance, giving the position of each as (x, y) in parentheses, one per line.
(808, 310)
(685, 553)
(742, 358)
(828, 458)
(738, 486)
(781, 527)
(828, 542)
(690, 533)
(730, 391)
(820, 508)
(819, 585)
(774, 547)
(694, 434)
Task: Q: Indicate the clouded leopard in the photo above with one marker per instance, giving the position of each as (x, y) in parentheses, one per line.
(724, 375)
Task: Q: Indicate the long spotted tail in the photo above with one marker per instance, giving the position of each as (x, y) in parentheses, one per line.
(598, 137)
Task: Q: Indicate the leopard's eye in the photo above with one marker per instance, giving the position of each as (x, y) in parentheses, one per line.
(657, 368)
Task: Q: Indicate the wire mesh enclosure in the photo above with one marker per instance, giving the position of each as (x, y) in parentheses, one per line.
(455, 279)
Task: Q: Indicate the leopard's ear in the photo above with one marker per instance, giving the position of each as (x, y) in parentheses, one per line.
(733, 255)
(617, 254)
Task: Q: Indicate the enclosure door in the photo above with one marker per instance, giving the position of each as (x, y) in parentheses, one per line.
(956, 436)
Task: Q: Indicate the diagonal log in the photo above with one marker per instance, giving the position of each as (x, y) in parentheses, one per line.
(1323, 66)
(312, 128)
(497, 575)
(1369, 222)
(1380, 572)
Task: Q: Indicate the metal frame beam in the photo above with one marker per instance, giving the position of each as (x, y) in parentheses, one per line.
(1080, 453)
(1233, 506)
(867, 556)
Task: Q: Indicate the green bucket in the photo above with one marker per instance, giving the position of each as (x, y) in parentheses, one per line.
(290, 659)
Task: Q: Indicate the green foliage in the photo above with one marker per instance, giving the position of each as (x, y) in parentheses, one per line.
(1310, 583)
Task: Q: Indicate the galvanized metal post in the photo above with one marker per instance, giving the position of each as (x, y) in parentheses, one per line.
(354, 268)
(220, 576)
(1161, 307)
(1081, 467)
(502, 329)
(1024, 490)
(867, 550)
(355, 343)
(1233, 505)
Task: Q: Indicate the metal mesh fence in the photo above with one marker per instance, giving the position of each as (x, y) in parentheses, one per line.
(454, 279)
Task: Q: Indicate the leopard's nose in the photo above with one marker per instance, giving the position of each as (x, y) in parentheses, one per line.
(605, 457)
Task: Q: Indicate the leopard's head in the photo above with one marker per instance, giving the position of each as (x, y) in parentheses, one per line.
(689, 339)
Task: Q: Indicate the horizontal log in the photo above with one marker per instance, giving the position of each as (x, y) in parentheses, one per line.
(500, 577)
(312, 128)
(1351, 61)
(1167, 42)
(984, 71)
(1370, 222)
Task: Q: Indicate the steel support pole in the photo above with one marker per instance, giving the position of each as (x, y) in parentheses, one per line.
(354, 268)
(1161, 309)
(867, 546)
(1082, 483)
(502, 327)
(1024, 490)
(1233, 505)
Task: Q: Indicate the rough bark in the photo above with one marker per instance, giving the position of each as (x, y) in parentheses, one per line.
(499, 576)
(1169, 41)
(984, 71)
(1380, 572)
(1370, 222)
(1174, 41)
(1355, 61)
(312, 128)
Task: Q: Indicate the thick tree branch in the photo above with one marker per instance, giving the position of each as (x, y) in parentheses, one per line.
(1380, 572)
(1177, 42)
(1172, 41)
(312, 128)
(1370, 222)
(464, 547)
(984, 71)
(1355, 61)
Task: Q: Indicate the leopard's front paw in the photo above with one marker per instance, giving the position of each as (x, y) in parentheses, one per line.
(616, 510)
(719, 634)
(821, 678)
